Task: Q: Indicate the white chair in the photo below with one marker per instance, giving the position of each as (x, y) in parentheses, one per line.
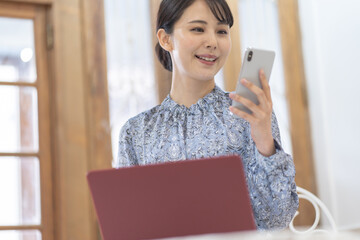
(317, 203)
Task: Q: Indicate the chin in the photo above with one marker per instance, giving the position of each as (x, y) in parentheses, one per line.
(207, 76)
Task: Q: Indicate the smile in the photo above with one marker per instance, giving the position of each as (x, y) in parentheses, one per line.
(207, 59)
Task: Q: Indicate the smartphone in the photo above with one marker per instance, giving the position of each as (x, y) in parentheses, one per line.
(254, 60)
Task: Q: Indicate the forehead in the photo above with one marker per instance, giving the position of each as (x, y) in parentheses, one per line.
(199, 10)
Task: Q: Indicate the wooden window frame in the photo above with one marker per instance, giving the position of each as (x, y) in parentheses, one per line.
(79, 128)
(38, 15)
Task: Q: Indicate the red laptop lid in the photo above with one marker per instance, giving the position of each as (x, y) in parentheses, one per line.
(172, 199)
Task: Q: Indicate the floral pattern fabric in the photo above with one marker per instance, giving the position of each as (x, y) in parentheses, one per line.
(173, 132)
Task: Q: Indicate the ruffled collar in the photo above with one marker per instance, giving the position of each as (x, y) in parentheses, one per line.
(204, 103)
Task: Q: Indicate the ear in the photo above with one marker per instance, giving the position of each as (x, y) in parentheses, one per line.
(164, 40)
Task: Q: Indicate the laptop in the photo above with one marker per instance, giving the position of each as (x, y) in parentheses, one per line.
(182, 198)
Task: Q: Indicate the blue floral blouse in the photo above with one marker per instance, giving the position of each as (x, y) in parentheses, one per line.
(170, 132)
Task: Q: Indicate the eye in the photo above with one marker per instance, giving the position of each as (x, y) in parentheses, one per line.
(197, 29)
(223, 32)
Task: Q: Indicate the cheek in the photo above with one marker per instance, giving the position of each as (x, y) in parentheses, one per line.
(225, 47)
(185, 52)
(184, 46)
(182, 40)
(187, 44)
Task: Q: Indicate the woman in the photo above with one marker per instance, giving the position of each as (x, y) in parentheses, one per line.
(196, 119)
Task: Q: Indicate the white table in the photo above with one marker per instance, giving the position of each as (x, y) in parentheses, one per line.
(283, 235)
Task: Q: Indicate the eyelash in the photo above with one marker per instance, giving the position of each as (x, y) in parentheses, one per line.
(223, 32)
(198, 29)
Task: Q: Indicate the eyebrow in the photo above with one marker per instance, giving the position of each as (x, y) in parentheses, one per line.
(204, 22)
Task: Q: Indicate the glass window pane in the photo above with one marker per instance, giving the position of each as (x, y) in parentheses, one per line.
(130, 55)
(19, 119)
(17, 55)
(20, 235)
(20, 191)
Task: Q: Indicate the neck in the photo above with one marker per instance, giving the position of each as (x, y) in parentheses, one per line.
(188, 91)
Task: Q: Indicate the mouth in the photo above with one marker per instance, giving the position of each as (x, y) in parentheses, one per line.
(207, 59)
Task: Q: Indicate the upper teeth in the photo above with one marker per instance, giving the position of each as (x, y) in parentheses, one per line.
(207, 59)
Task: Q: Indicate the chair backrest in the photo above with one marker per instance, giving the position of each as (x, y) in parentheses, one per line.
(318, 204)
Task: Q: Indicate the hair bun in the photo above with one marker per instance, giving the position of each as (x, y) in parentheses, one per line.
(164, 57)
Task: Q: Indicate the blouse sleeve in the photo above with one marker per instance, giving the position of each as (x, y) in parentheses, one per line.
(126, 153)
(272, 186)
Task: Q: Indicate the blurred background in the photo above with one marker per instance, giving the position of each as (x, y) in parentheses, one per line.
(72, 72)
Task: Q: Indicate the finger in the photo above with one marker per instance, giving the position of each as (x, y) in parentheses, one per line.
(246, 102)
(256, 90)
(265, 85)
(241, 114)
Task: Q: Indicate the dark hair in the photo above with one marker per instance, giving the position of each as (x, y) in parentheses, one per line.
(170, 12)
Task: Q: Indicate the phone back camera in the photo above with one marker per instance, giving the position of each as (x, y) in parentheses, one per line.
(250, 56)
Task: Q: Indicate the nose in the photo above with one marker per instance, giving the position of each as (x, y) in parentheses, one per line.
(211, 41)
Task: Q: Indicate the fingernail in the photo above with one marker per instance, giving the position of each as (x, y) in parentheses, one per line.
(244, 81)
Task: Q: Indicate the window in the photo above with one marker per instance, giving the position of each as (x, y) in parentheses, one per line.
(25, 164)
(131, 81)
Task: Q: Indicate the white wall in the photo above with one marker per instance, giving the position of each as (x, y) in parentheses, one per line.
(331, 47)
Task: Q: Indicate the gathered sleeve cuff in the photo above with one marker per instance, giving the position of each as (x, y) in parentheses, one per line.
(272, 186)
(278, 161)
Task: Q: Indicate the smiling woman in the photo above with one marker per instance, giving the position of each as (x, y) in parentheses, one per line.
(196, 47)
(223, 17)
(195, 120)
